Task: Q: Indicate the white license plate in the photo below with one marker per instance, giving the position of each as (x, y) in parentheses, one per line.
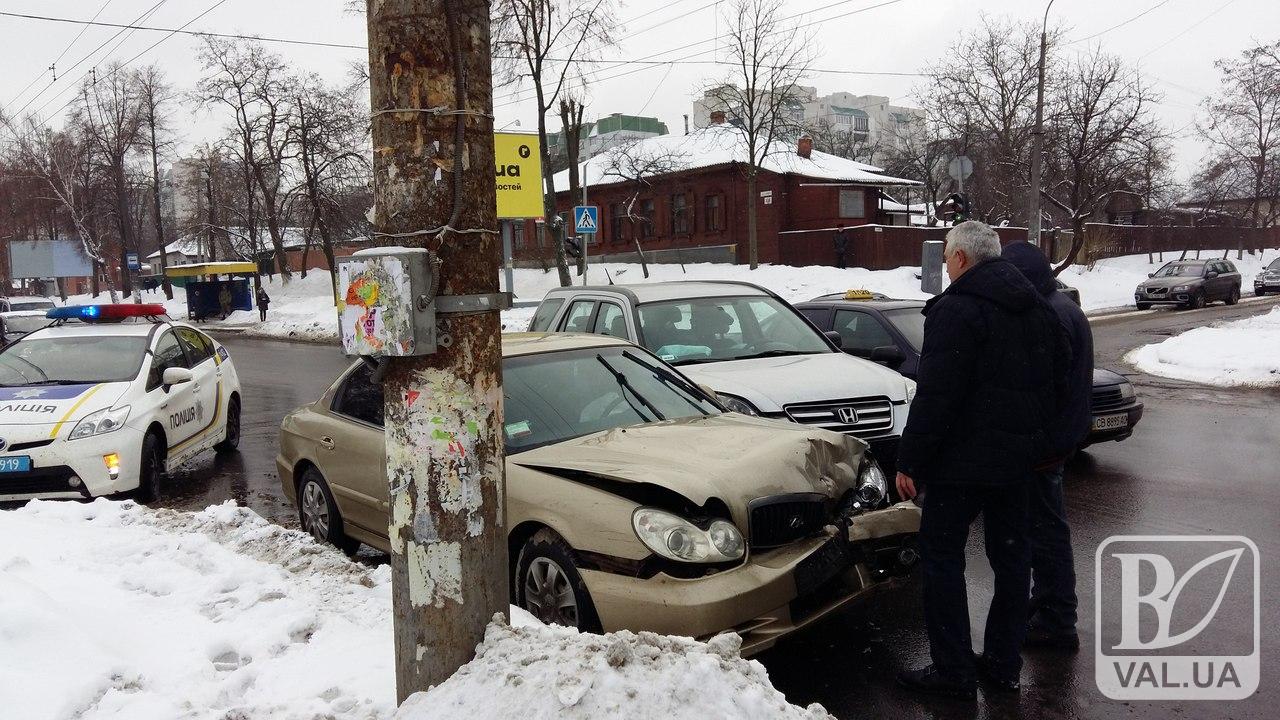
(1111, 422)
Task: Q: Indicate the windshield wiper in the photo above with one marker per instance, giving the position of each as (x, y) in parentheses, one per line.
(670, 379)
(773, 353)
(625, 384)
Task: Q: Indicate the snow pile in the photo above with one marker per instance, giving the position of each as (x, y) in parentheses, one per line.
(1244, 352)
(302, 309)
(523, 673)
(114, 610)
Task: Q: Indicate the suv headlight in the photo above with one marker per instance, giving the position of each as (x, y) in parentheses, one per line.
(1180, 288)
(675, 538)
(1126, 391)
(737, 404)
(101, 422)
(911, 389)
(873, 488)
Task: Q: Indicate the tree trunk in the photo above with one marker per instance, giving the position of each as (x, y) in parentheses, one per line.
(122, 226)
(549, 193)
(159, 217)
(443, 411)
(753, 250)
(269, 197)
(571, 121)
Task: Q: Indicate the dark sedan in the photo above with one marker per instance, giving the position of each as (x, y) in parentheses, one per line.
(891, 332)
(1190, 284)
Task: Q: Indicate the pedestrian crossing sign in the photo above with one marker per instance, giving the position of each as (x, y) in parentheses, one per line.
(586, 219)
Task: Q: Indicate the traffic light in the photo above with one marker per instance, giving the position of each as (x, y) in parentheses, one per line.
(955, 209)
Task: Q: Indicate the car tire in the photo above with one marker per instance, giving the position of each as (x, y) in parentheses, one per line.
(318, 512)
(232, 439)
(546, 570)
(151, 470)
(1233, 297)
(1144, 306)
(1197, 301)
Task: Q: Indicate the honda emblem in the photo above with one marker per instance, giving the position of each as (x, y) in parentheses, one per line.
(847, 415)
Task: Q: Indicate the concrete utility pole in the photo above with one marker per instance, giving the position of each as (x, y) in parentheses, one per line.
(433, 171)
(1037, 139)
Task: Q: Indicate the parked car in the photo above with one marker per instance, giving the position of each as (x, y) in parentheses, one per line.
(1190, 284)
(17, 323)
(1115, 407)
(1268, 280)
(892, 332)
(750, 347)
(10, 304)
(633, 500)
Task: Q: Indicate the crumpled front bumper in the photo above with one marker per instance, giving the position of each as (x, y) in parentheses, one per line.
(772, 594)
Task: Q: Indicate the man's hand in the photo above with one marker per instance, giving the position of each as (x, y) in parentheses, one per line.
(906, 487)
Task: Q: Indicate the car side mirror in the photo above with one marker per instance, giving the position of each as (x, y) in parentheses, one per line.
(1151, 275)
(176, 376)
(834, 337)
(888, 355)
(1211, 275)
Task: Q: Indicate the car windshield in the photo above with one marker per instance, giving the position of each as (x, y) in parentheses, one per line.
(1181, 270)
(21, 324)
(551, 397)
(726, 328)
(69, 360)
(29, 304)
(910, 322)
(1275, 264)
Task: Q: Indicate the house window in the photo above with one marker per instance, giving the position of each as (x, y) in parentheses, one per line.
(714, 214)
(853, 204)
(517, 232)
(680, 214)
(616, 221)
(645, 211)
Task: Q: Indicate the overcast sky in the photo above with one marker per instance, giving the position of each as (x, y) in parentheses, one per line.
(1175, 44)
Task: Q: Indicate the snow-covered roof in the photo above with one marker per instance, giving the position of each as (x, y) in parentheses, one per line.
(185, 245)
(723, 144)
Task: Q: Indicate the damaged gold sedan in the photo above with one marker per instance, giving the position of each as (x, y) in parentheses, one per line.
(633, 499)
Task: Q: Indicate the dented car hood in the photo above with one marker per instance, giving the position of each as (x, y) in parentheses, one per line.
(732, 457)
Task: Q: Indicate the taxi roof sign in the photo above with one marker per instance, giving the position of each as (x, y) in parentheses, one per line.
(858, 294)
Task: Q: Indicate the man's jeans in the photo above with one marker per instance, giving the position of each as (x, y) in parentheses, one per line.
(1053, 569)
(948, 512)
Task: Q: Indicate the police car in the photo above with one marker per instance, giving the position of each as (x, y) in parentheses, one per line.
(107, 399)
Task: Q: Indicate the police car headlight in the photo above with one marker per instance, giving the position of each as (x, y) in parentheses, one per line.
(101, 422)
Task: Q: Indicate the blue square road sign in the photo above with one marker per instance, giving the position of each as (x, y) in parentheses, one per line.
(586, 219)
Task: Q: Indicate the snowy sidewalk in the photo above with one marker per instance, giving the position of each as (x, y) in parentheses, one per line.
(113, 610)
(1244, 352)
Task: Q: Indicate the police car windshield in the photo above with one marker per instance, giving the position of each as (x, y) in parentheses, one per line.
(54, 360)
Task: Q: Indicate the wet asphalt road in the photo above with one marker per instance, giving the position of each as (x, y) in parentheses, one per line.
(1202, 461)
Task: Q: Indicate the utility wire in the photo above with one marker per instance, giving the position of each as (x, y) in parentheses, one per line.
(1157, 6)
(53, 65)
(181, 30)
(1193, 26)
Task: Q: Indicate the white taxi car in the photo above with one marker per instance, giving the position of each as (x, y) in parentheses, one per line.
(108, 399)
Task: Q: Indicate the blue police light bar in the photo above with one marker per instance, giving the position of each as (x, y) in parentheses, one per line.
(91, 313)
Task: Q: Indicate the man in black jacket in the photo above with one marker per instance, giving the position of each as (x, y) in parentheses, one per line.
(991, 378)
(1053, 573)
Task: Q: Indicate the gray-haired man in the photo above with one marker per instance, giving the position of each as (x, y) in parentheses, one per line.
(991, 377)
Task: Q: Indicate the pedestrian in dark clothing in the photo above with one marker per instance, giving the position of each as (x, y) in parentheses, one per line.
(991, 375)
(263, 301)
(841, 245)
(1053, 574)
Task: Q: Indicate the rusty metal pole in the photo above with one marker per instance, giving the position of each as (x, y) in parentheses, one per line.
(429, 68)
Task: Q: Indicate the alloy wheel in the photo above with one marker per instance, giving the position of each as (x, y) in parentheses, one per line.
(548, 594)
(315, 511)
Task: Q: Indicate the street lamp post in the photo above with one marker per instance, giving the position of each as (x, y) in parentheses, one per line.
(1037, 139)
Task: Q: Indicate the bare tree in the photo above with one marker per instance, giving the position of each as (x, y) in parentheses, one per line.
(769, 59)
(922, 153)
(154, 95)
(1243, 126)
(636, 163)
(111, 116)
(251, 82)
(1101, 134)
(571, 127)
(548, 43)
(64, 163)
(832, 139)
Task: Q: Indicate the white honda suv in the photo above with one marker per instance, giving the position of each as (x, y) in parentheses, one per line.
(755, 351)
(107, 399)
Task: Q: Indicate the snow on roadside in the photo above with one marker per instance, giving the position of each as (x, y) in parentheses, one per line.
(535, 672)
(114, 610)
(302, 309)
(1243, 352)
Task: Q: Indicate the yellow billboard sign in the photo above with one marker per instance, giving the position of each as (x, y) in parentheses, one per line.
(519, 175)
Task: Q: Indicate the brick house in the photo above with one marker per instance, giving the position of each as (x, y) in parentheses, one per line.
(701, 201)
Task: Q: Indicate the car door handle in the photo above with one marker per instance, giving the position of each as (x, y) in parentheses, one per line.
(327, 443)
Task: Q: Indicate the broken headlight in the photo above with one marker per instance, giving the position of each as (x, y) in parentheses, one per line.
(675, 538)
(873, 488)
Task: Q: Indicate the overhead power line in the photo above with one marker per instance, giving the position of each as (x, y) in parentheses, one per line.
(181, 31)
(1157, 6)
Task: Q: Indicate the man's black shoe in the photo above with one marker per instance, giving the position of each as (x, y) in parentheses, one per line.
(928, 680)
(1040, 638)
(991, 679)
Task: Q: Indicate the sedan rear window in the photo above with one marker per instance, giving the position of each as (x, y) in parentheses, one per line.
(553, 397)
(65, 360)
